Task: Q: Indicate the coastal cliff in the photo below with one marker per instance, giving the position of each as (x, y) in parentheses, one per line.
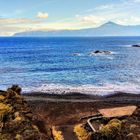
(16, 118)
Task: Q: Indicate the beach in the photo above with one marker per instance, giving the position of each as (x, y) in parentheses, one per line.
(72, 116)
(66, 111)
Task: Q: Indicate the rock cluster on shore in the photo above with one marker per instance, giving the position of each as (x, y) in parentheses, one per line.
(16, 119)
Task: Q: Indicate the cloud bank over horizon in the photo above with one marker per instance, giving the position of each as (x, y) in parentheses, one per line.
(20, 16)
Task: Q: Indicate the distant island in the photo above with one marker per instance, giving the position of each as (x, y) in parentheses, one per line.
(107, 29)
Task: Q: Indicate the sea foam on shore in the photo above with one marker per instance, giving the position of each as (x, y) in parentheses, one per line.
(105, 89)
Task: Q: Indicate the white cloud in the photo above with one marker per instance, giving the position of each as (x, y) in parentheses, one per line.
(9, 26)
(42, 15)
(105, 7)
(9, 21)
(135, 1)
(10, 30)
(125, 13)
(132, 20)
(90, 19)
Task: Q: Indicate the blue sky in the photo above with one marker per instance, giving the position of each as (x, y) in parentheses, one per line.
(28, 15)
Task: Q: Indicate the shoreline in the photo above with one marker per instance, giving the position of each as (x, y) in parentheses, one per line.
(74, 98)
(66, 111)
(86, 89)
(73, 95)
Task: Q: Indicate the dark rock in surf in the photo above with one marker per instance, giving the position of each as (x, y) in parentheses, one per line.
(136, 45)
(100, 52)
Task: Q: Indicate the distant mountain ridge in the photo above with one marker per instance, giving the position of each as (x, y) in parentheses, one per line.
(107, 29)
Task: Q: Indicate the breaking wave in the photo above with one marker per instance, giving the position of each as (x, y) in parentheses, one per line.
(105, 89)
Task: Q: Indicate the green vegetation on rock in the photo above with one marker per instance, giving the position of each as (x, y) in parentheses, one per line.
(112, 128)
(110, 131)
(16, 119)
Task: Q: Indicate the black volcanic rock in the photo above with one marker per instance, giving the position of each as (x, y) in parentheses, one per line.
(100, 52)
(136, 45)
(105, 52)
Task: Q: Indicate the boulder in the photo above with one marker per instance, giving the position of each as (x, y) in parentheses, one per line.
(100, 52)
(136, 45)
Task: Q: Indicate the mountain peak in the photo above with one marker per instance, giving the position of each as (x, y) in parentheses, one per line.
(110, 23)
(107, 29)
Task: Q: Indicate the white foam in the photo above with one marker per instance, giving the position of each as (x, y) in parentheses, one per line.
(76, 54)
(127, 46)
(86, 89)
(110, 58)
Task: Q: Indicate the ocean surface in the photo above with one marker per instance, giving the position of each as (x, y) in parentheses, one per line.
(61, 65)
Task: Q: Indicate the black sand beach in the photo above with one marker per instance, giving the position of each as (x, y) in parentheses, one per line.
(65, 111)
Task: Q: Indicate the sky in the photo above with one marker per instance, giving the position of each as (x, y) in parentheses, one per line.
(29, 15)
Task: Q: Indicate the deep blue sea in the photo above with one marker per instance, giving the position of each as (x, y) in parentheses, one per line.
(68, 64)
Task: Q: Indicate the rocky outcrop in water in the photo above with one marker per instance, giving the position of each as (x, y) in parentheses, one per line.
(16, 118)
(100, 52)
(138, 46)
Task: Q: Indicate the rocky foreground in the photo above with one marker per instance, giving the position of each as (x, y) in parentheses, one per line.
(44, 117)
(16, 119)
(69, 114)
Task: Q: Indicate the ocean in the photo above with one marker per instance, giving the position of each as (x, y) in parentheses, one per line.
(62, 65)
